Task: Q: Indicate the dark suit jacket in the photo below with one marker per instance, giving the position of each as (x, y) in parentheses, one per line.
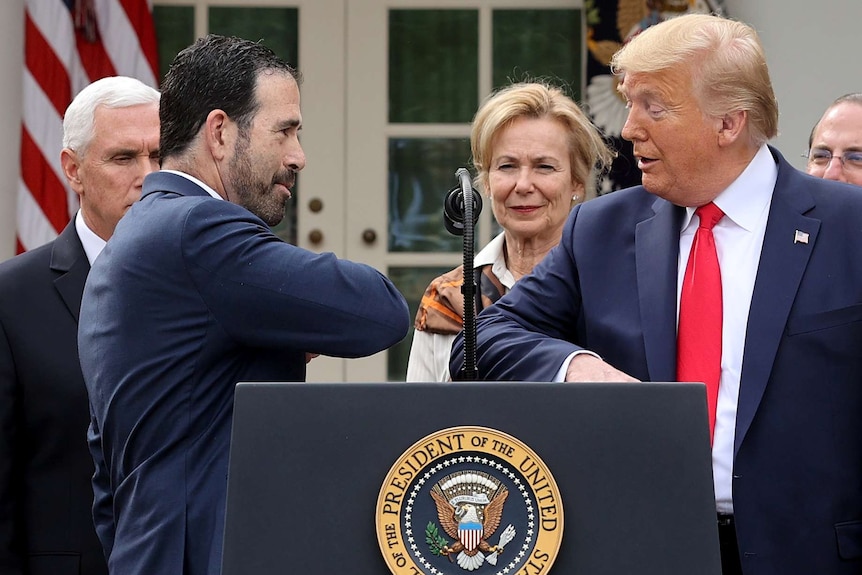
(46, 497)
(610, 287)
(192, 295)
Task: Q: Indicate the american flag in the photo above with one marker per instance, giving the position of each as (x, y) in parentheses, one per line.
(67, 45)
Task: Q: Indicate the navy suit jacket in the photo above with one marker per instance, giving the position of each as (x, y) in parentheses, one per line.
(191, 295)
(46, 497)
(610, 287)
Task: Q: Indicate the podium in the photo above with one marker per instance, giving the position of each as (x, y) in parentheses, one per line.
(329, 478)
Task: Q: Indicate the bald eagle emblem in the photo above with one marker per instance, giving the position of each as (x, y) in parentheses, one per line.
(470, 508)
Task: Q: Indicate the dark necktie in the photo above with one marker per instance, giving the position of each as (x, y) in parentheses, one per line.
(700, 312)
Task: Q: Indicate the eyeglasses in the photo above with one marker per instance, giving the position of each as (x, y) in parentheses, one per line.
(821, 158)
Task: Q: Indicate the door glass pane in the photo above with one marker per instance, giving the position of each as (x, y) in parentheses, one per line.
(421, 172)
(278, 29)
(175, 29)
(538, 44)
(433, 65)
(410, 281)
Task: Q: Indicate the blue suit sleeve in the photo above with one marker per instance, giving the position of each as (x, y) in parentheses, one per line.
(530, 331)
(267, 293)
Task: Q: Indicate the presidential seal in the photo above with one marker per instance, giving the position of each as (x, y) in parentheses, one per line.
(469, 500)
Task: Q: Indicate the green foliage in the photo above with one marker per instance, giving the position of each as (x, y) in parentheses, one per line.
(435, 541)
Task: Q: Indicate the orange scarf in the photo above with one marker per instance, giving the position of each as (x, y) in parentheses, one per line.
(442, 307)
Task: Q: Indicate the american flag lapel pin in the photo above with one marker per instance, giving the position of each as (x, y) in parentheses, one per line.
(800, 237)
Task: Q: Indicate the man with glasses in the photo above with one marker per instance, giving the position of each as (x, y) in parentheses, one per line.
(835, 144)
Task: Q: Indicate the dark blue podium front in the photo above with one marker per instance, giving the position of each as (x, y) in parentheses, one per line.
(631, 462)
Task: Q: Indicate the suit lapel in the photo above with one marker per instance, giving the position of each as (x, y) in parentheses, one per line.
(782, 264)
(70, 262)
(656, 255)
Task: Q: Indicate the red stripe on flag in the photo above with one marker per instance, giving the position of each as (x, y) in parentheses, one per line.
(45, 67)
(139, 15)
(40, 179)
(95, 60)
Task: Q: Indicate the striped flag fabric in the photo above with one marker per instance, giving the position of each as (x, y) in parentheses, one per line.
(67, 45)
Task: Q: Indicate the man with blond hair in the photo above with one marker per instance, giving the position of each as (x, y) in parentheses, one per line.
(727, 267)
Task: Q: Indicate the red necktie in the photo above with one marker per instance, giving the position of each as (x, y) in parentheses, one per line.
(698, 356)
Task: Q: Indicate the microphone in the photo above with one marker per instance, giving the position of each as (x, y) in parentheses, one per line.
(460, 215)
(454, 207)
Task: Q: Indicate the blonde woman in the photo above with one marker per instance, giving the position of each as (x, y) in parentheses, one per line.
(533, 149)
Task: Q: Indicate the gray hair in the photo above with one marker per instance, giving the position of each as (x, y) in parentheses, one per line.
(111, 92)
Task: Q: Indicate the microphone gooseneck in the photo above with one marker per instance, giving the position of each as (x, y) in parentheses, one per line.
(461, 210)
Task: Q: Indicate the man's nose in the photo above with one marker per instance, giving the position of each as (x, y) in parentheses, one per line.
(631, 129)
(146, 165)
(835, 170)
(295, 158)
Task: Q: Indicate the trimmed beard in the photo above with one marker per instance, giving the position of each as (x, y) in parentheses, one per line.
(257, 196)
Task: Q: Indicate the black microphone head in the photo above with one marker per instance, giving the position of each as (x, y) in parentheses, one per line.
(453, 210)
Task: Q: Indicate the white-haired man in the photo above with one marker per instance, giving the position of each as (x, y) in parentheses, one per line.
(110, 142)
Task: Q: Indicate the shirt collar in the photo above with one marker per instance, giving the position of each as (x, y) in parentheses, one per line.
(750, 194)
(93, 244)
(492, 255)
(206, 188)
(492, 252)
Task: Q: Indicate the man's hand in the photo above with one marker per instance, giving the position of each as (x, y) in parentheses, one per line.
(587, 367)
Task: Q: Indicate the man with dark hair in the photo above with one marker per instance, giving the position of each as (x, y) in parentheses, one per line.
(194, 293)
(835, 143)
(110, 142)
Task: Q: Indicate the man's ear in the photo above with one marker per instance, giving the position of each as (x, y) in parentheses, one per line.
(71, 167)
(733, 125)
(220, 133)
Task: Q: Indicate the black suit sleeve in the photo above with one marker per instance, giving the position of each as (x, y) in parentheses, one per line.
(11, 530)
(103, 501)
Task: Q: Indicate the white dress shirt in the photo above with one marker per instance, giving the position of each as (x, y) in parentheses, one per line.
(93, 244)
